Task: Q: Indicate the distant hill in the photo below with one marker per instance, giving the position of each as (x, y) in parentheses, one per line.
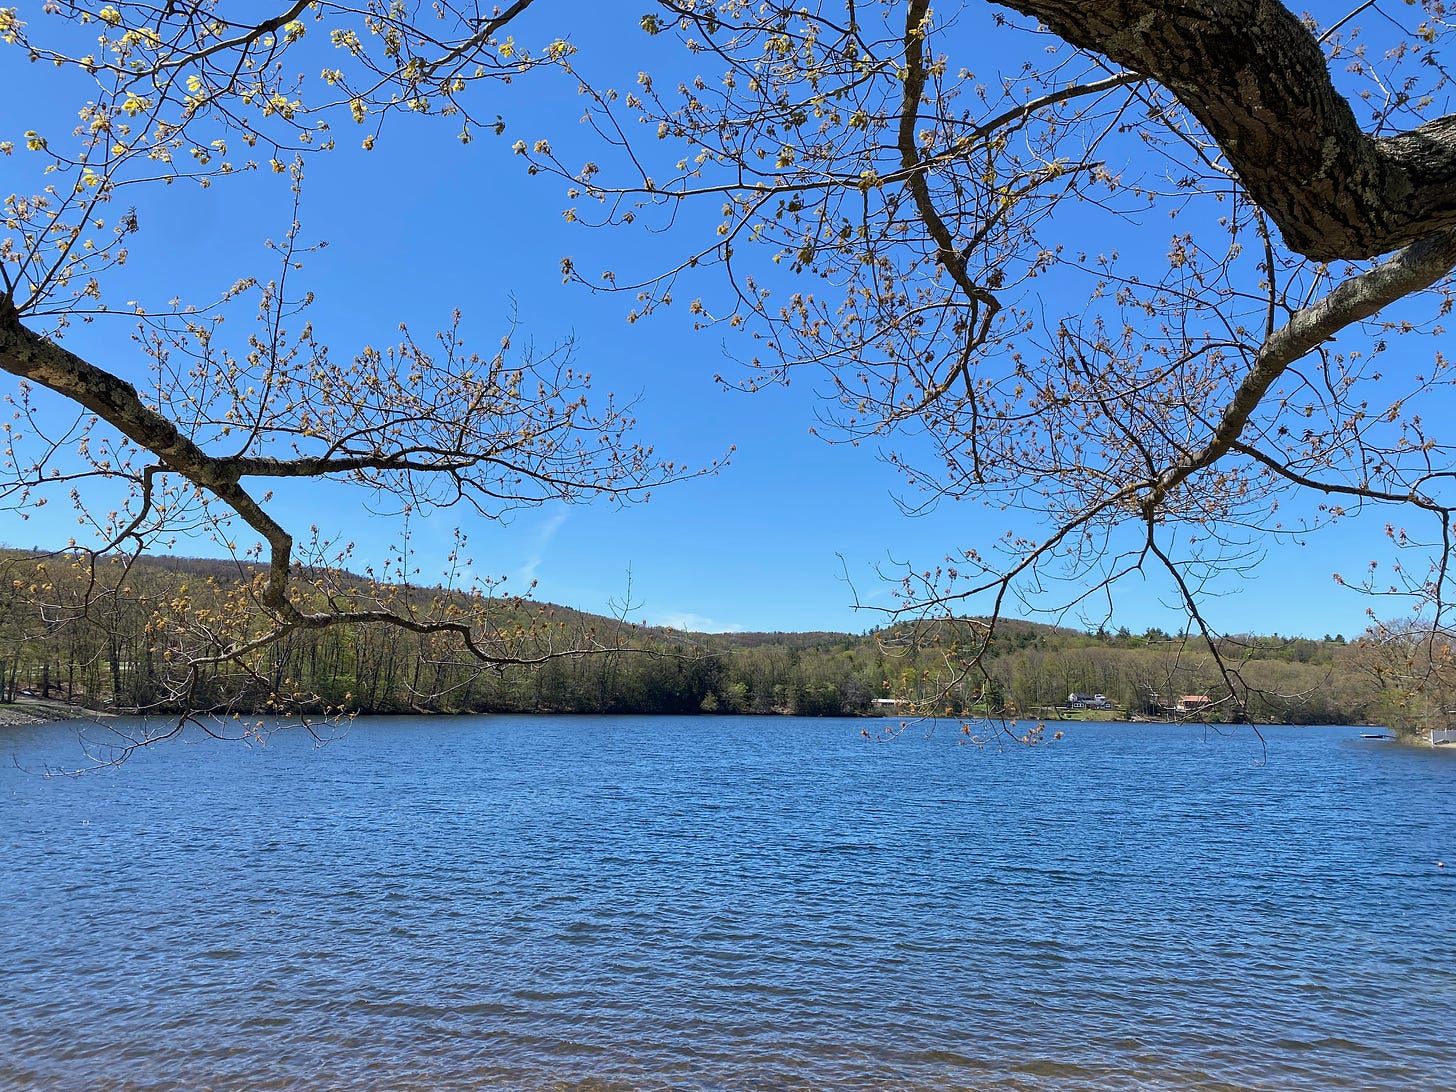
(116, 636)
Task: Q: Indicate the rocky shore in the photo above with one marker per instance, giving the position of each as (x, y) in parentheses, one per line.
(28, 711)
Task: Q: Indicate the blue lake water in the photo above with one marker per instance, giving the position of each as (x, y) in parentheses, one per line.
(729, 903)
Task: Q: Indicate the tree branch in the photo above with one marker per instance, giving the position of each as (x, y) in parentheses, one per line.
(1256, 78)
(1416, 268)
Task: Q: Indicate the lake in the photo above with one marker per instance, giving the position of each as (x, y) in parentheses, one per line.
(604, 903)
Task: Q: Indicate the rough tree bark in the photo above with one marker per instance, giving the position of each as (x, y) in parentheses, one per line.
(1255, 77)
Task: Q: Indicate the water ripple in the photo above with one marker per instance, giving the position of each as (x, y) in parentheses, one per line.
(604, 904)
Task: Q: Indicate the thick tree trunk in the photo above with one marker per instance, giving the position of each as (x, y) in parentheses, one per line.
(1256, 78)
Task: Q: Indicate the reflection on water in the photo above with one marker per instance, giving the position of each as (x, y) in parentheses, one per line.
(728, 903)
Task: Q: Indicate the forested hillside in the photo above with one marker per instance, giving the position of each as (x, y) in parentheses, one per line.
(100, 636)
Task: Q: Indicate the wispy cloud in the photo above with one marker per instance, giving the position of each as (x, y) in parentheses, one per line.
(688, 622)
(541, 536)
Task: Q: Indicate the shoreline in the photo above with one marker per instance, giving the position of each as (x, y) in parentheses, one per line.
(23, 714)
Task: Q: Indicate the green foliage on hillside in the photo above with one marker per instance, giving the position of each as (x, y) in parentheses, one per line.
(98, 634)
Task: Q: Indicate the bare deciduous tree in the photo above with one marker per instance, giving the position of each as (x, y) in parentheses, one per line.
(1155, 275)
(1412, 666)
(184, 93)
(1149, 273)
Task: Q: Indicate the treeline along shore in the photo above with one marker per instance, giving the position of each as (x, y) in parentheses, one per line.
(151, 634)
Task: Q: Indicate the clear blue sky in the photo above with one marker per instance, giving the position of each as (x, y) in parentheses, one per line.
(424, 224)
